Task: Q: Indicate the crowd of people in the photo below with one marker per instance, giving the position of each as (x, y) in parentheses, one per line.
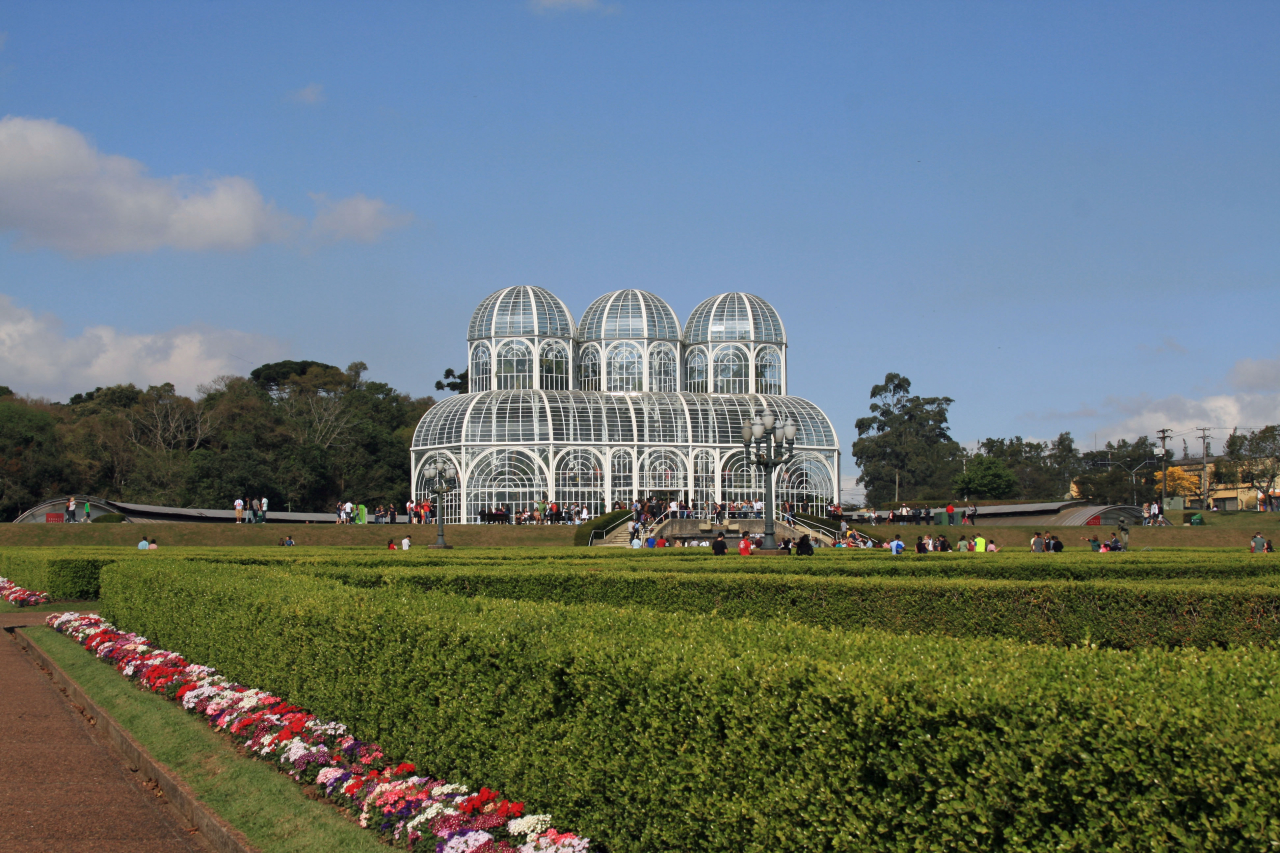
(257, 508)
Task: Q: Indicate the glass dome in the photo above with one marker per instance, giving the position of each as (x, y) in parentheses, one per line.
(629, 315)
(518, 311)
(734, 317)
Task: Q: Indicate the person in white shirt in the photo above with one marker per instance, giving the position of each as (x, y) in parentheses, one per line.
(759, 508)
(346, 512)
(405, 542)
(264, 510)
(408, 512)
(71, 510)
(239, 510)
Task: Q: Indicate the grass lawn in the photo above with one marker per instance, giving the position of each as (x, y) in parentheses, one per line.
(267, 806)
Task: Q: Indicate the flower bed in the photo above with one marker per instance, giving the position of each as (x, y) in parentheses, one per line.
(16, 595)
(404, 809)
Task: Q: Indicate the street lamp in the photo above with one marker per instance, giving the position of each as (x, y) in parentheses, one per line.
(767, 455)
(441, 479)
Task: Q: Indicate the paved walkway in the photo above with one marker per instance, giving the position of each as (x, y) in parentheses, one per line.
(64, 791)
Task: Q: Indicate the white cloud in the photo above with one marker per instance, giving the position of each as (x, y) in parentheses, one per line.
(57, 190)
(37, 358)
(355, 218)
(310, 94)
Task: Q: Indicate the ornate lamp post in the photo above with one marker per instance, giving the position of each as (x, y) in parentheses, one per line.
(441, 479)
(767, 455)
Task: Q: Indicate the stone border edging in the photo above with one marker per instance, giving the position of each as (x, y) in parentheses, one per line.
(220, 835)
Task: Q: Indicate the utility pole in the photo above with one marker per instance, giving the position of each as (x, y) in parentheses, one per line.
(1164, 469)
(1204, 466)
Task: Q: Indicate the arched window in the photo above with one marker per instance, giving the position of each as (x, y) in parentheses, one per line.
(553, 367)
(662, 368)
(510, 479)
(515, 366)
(704, 479)
(620, 477)
(579, 479)
(478, 375)
(730, 371)
(695, 379)
(768, 371)
(626, 368)
(589, 369)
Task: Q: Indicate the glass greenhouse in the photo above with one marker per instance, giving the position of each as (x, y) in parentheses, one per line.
(619, 406)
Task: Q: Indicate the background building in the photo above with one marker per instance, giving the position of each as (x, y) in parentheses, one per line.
(622, 405)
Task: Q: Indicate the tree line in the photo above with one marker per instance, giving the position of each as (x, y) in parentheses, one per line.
(302, 433)
(906, 453)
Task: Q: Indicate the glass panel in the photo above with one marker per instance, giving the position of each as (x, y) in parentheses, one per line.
(740, 482)
(553, 367)
(505, 478)
(482, 319)
(662, 368)
(662, 474)
(731, 320)
(515, 313)
(626, 368)
(704, 479)
(452, 501)
(589, 369)
(768, 371)
(805, 484)
(730, 371)
(580, 481)
(515, 366)
(696, 376)
(478, 376)
(620, 474)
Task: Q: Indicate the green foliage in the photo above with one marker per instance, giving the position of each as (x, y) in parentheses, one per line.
(71, 578)
(678, 732)
(986, 477)
(455, 382)
(1107, 478)
(108, 518)
(582, 536)
(904, 448)
(1254, 459)
(302, 434)
(1044, 470)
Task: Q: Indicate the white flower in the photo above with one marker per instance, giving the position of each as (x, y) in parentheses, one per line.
(530, 826)
(467, 842)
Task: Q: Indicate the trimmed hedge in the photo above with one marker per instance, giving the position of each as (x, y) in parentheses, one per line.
(582, 536)
(109, 518)
(1111, 614)
(651, 731)
(65, 578)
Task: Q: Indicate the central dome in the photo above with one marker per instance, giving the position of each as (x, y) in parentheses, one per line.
(629, 315)
(521, 311)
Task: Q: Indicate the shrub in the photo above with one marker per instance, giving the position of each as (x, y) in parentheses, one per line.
(109, 518)
(654, 731)
(63, 577)
(582, 536)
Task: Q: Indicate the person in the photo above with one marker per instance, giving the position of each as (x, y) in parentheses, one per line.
(1124, 536)
(1057, 545)
(347, 509)
(1114, 542)
(1037, 543)
(804, 548)
(973, 514)
(239, 511)
(928, 516)
(963, 544)
(391, 544)
(636, 543)
(979, 544)
(1146, 514)
(71, 510)
(1257, 545)
(264, 511)
(288, 541)
(719, 547)
(661, 543)
(650, 542)
(897, 546)
(915, 516)
(405, 543)
(921, 548)
(256, 507)
(1093, 543)
(744, 546)
(844, 529)
(951, 514)
(942, 544)
(281, 542)
(144, 544)
(785, 546)
(339, 513)
(1267, 548)
(991, 546)
(408, 512)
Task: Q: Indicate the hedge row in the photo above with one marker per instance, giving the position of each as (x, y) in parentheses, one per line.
(652, 731)
(582, 536)
(1111, 614)
(66, 577)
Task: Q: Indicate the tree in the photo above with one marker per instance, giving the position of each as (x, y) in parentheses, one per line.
(1179, 482)
(1113, 475)
(904, 447)
(456, 382)
(986, 477)
(1256, 458)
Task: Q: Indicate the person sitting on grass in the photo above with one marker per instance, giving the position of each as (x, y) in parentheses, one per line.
(1093, 543)
(1257, 545)
(1268, 548)
(992, 547)
(804, 548)
(144, 544)
(921, 548)
(288, 541)
(391, 544)
(153, 546)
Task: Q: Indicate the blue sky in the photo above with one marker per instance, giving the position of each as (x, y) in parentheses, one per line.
(1065, 216)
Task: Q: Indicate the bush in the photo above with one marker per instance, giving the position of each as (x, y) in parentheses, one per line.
(582, 536)
(73, 578)
(1108, 613)
(109, 518)
(652, 731)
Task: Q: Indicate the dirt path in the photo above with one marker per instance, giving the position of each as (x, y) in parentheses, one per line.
(64, 791)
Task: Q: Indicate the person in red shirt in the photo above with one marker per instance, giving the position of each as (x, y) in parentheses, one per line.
(391, 544)
(744, 547)
(951, 514)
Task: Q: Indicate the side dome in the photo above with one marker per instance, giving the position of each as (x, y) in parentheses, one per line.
(734, 317)
(519, 311)
(629, 315)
